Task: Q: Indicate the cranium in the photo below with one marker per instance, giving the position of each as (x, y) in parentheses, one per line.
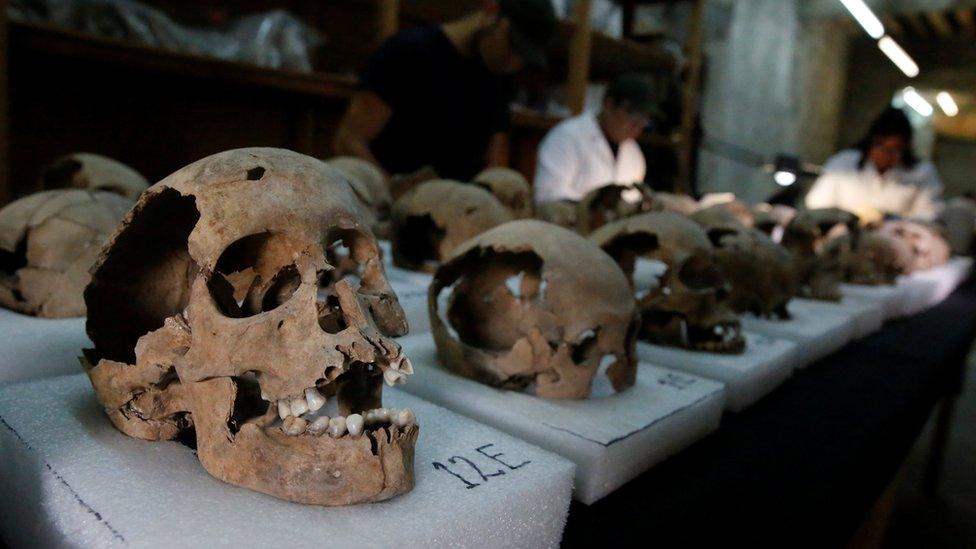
(510, 187)
(868, 258)
(93, 172)
(610, 203)
(762, 273)
(558, 212)
(805, 237)
(436, 216)
(521, 311)
(369, 184)
(772, 219)
(48, 240)
(205, 309)
(690, 307)
(927, 244)
(677, 203)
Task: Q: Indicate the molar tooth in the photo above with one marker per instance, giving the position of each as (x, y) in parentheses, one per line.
(294, 426)
(354, 422)
(337, 427)
(319, 425)
(314, 399)
(284, 409)
(298, 406)
(405, 417)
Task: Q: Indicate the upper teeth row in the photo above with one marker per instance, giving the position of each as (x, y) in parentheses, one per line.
(311, 402)
(352, 424)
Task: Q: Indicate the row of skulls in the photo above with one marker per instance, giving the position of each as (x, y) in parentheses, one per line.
(243, 299)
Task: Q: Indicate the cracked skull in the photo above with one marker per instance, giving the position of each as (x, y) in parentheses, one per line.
(612, 202)
(95, 173)
(805, 237)
(510, 187)
(213, 306)
(689, 305)
(762, 274)
(435, 217)
(927, 244)
(48, 241)
(519, 312)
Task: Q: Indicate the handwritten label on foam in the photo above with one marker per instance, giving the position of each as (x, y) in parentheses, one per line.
(479, 467)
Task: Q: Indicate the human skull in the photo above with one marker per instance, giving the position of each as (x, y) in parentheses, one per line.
(48, 240)
(927, 244)
(762, 274)
(521, 312)
(205, 309)
(558, 212)
(95, 173)
(772, 219)
(677, 203)
(610, 203)
(510, 187)
(805, 237)
(869, 258)
(690, 307)
(369, 184)
(436, 216)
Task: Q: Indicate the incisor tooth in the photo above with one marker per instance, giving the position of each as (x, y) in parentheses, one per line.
(314, 399)
(294, 426)
(391, 376)
(284, 409)
(298, 406)
(337, 427)
(354, 422)
(319, 425)
(405, 417)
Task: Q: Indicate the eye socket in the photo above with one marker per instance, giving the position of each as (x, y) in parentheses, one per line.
(256, 274)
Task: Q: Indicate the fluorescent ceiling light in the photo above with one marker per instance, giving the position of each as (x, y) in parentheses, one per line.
(784, 179)
(865, 17)
(947, 104)
(898, 56)
(915, 100)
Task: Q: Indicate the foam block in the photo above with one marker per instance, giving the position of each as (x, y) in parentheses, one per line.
(79, 482)
(868, 317)
(818, 332)
(414, 303)
(891, 299)
(611, 437)
(927, 288)
(765, 364)
(32, 347)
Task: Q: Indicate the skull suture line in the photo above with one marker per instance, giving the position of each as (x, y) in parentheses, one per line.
(690, 306)
(522, 312)
(48, 241)
(206, 309)
(805, 237)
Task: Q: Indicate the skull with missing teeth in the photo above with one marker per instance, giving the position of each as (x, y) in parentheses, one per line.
(806, 237)
(689, 307)
(521, 312)
(213, 306)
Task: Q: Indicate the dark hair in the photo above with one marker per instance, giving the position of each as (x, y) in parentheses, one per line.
(891, 122)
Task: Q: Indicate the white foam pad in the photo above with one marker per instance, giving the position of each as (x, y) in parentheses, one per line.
(819, 332)
(891, 299)
(611, 438)
(765, 364)
(81, 483)
(868, 317)
(414, 303)
(32, 347)
(928, 288)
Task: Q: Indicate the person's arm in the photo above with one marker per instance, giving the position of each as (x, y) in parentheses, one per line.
(363, 121)
(823, 194)
(498, 151)
(556, 169)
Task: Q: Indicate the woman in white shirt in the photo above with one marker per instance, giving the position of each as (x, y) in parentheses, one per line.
(881, 176)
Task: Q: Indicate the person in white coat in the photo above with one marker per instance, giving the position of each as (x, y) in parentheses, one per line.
(881, 177)
(594, 149)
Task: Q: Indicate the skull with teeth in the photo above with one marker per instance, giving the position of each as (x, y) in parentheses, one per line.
(212, 306)
(48, 240)
(436, 216)
(761, 272)
(521, 312)
(927, 245)
(805, 237)
(95, 173)
(610, 203)
(690, 306)
(510, 187)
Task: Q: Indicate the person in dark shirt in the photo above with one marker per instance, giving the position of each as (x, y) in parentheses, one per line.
(438, 96)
